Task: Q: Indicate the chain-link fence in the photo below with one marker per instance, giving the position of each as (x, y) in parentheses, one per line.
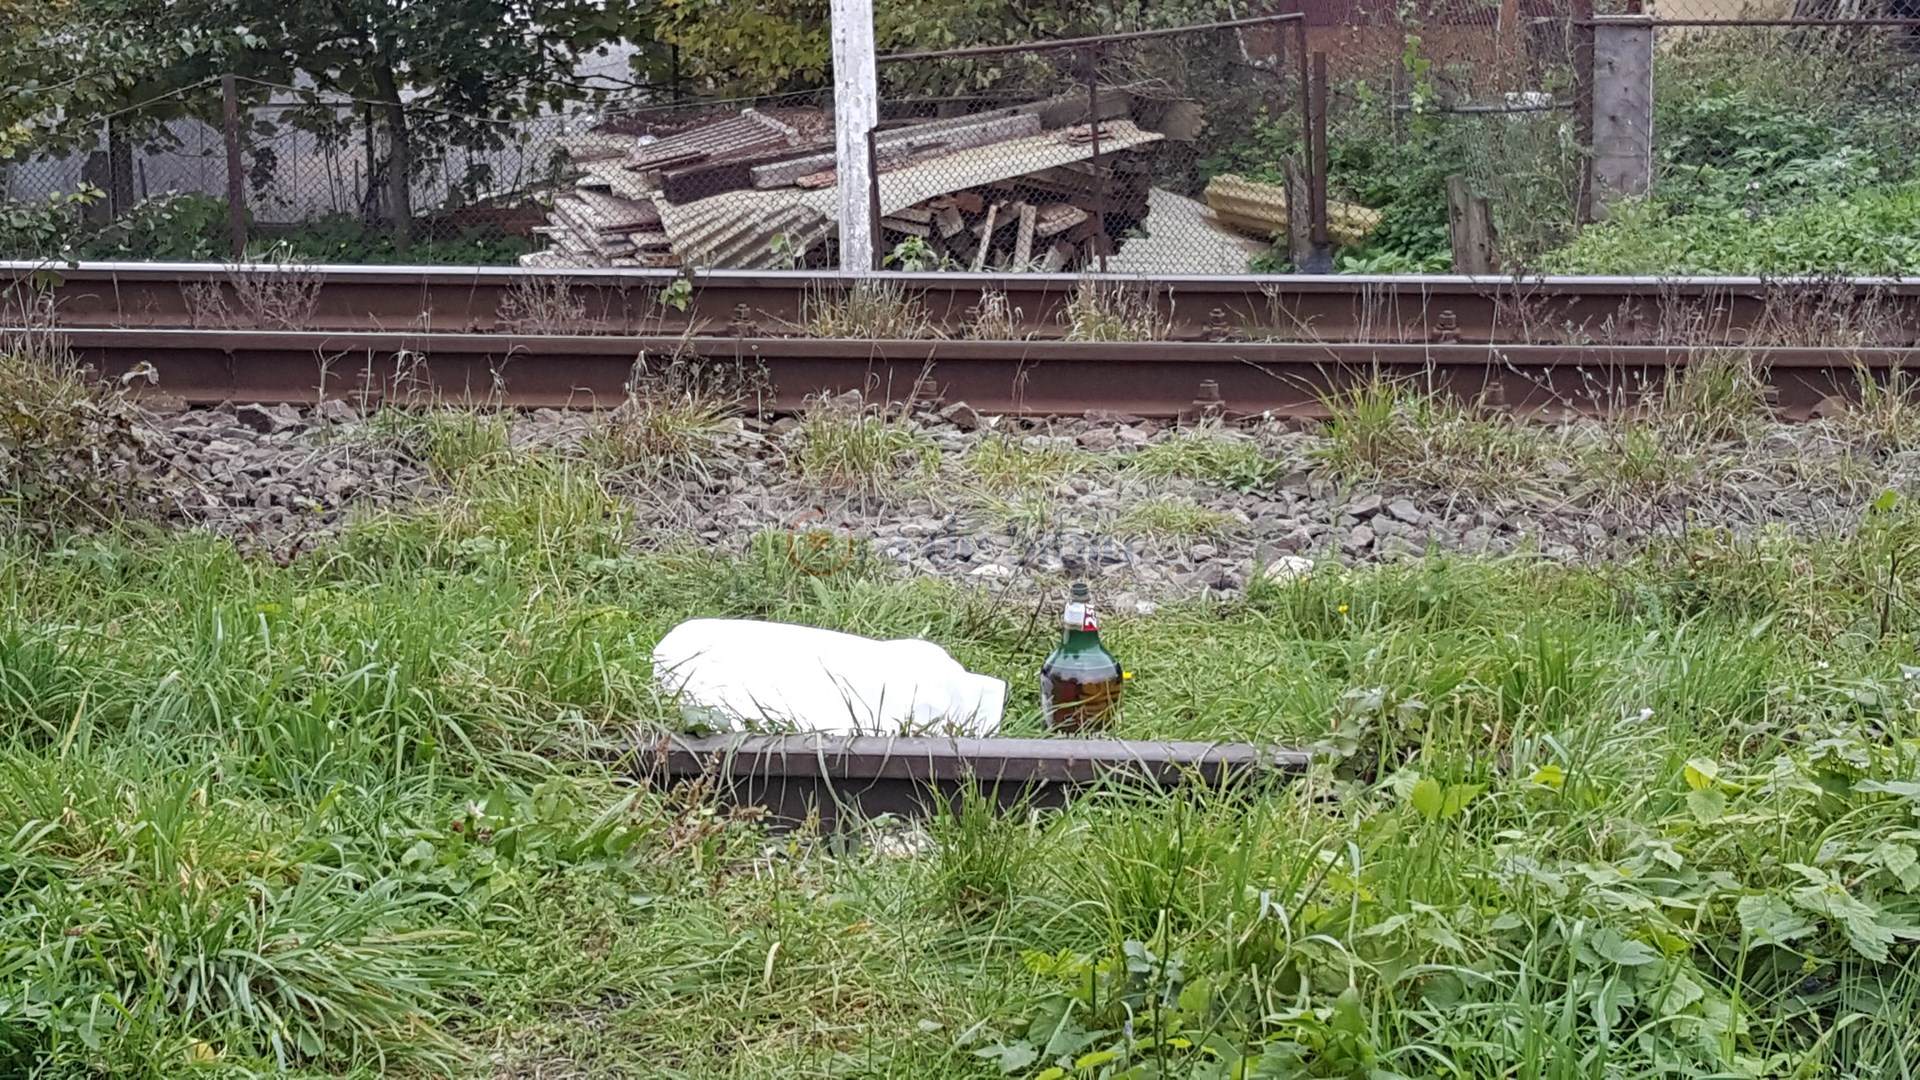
(314, 181)
(1459, 134)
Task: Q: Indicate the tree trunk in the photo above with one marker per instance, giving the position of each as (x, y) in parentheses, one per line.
(399, 158)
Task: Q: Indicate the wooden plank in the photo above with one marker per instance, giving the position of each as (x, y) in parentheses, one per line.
(1057, 258)
(986, 238)
(614, 212)
(1470, 227)
(1056, 218)
(911, 228)
(999, 216)
(949, 221)
(1023, 240)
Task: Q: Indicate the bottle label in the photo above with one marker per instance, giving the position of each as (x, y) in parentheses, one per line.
(1080, 617)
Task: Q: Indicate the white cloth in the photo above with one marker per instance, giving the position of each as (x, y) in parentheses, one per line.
(766, 676)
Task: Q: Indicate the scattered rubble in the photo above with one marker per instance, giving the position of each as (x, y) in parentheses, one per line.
(280, 480)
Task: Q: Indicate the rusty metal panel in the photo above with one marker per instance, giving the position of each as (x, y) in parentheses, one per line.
(838, 777)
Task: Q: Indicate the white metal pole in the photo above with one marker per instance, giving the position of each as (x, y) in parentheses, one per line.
(856, 108)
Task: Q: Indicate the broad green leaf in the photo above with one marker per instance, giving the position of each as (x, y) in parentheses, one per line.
(1458, 796)
(1094, 1060)
(1615, 995)
(1609, 944)
(1906, 789)
(1680, 993)
(1010, 1057)
(1708, 805)
(1550, 775)
(1051, 1072)
(1901, 861)
(1427, 798)
(1701, 773)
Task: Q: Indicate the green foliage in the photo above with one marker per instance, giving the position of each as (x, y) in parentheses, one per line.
(1875, 231)
(191, 227)
(376, 810)
(1218, 457)
(43, 230)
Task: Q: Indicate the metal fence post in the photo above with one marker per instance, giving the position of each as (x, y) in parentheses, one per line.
(1582, 42)
(1100, 239)
(236, 178)
(1322, 245)
(873, 199)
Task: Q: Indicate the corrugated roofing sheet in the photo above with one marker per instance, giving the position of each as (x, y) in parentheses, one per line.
(748, 133)
(739, 226)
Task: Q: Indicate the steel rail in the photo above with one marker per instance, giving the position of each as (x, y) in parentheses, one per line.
(1163, 379)
(834, 778)
(1440, 309)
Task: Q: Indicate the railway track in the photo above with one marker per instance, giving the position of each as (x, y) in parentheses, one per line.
(1231, 346)
(1158, 378)
(1394, 309)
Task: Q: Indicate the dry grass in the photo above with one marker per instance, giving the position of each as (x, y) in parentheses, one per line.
(277, 292)
(542, 305)
(1115, 311)
(996, 319)
(1006, 463)
(861, 450)
(1392, 429)
(879, 311)
(1172, 518)
(661, 437)
(71, 453)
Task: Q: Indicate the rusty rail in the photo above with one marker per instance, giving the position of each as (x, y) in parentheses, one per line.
(1168, 379)
(831, 777)
(1439, 309)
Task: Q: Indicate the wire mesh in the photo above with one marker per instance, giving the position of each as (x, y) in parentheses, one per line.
(1130, 156)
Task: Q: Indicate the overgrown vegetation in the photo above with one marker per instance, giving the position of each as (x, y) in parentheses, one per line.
(1221, 457)
(70, 451)
(1668, 439)
(870, 310)
(860, 449)
(1115, 311)
(373, 810)
(193, 228)
(1778, 152)
(1875, 231)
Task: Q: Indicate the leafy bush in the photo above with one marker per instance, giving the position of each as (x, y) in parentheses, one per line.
(193, 228)
(1871, 232)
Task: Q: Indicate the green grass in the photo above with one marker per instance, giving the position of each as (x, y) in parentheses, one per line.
(1171, 518)
(373, 813)
(1003, 464)
(447, 440)
(1218, 457)
(869, 451)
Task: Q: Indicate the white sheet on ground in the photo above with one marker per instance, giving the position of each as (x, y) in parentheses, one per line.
(732, 674)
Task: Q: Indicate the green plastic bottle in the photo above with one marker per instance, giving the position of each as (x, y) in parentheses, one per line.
(1080, 681)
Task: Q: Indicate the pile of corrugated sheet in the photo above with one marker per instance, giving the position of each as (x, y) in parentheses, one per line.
(1013, 189)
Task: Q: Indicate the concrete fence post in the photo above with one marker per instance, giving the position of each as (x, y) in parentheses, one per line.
(1622, 162)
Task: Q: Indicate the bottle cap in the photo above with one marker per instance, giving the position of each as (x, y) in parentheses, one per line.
(1080, 593)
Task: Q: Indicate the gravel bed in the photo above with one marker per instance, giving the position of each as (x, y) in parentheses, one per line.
(279, 479)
